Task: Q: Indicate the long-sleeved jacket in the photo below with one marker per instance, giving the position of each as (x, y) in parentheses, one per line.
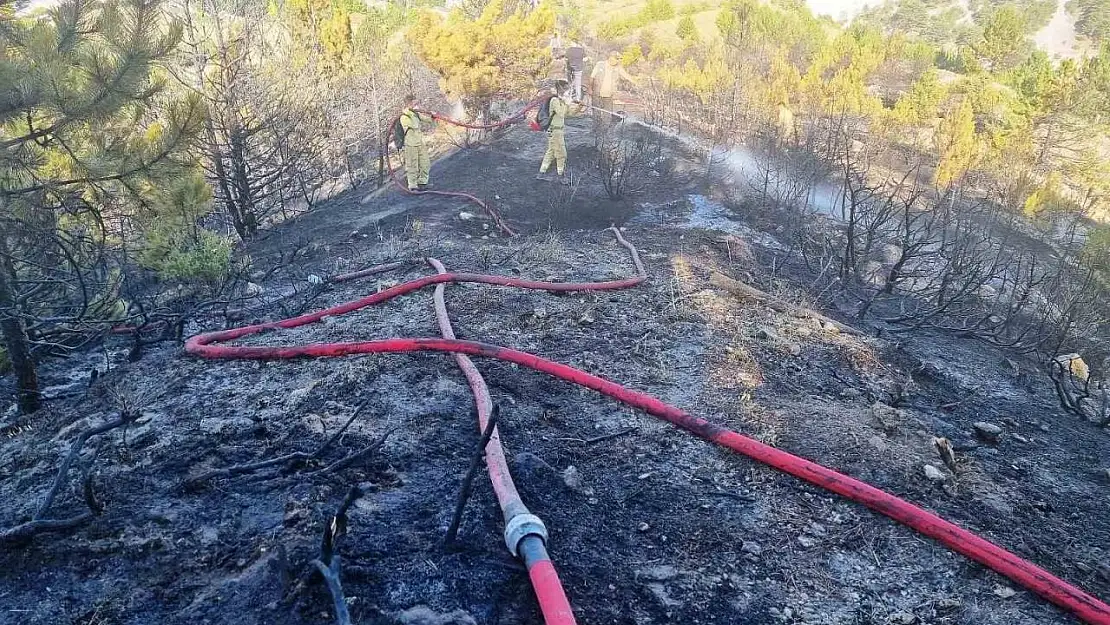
(558, 108)
(607, 77)
(411, 121)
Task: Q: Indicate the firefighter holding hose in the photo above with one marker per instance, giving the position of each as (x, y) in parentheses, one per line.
(411, 139)
(556, 119)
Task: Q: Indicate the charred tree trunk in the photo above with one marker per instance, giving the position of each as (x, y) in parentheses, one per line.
(15, 337)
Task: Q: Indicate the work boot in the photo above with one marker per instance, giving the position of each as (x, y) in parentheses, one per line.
(414, 189)
(424, 187)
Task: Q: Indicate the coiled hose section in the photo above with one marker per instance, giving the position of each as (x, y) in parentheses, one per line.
(1032, 577)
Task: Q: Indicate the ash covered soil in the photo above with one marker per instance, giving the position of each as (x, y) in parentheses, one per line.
(648, 524)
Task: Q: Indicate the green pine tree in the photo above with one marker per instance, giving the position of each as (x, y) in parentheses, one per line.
(89, 126)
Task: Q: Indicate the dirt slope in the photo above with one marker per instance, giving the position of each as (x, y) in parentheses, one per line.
(650, 526)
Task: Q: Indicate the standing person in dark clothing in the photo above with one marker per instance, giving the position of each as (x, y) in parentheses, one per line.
(576, 64)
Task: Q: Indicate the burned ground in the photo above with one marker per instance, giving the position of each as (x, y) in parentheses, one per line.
(649, 525)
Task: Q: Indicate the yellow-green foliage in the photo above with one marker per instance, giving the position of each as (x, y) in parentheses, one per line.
(920, 104)
(653, 11)
(702, 80)
(1097, 250)
(1048, 199)
(839, 76)
(957, 144)
(754, 26)
(496, 55)
(686, 29)
(174, 245)
(631, 54)
(1003, 37)
(322, 25)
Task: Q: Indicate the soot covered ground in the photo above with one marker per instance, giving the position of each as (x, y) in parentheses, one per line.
(649, 525)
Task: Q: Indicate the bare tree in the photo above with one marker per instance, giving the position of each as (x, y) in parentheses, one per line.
(625, 160)
(263, 138)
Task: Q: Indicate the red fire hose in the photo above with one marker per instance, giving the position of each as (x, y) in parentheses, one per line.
(1059, 592)
(515, 117)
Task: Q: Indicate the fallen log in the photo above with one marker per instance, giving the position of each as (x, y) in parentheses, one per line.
(777, 304)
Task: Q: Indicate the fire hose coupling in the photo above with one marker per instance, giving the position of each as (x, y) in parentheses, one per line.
(521, 526)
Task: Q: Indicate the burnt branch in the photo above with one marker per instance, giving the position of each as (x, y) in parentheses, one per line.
(289, 461)
(468, 480)
(38, 523)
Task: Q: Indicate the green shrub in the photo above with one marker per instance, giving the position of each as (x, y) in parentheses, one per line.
(631, 53)
(691, 9)
(687, 30)
(175, 246)
(207, 259)
(614, 29)
(658, 10)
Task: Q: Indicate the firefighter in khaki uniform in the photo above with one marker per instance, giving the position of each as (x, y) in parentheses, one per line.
(417, 164)
(556, 139)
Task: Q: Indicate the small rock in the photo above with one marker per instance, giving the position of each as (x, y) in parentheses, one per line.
(217, 426)
(572, 478)
(465, 216)
(949, 603)
(988, 432)
(934, 474)
(806, 541)
(659, 573)
(767, 334)
(423, 615)
(1044, 428)
(902, 618)
(830, 328)
(850, 392)
(644, 527)
(890, 254)
(529, 463)
(315, 279)
(872, 273)
(1021, 439)
(1106, 474)
(252, 290)
(1004, 591)
(878, 442)
(795, 349)
(660, 592)
(788, 613)
(1104, 569)
(1010, 422)
(889, 418)
(586, 318)
(752, 547)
